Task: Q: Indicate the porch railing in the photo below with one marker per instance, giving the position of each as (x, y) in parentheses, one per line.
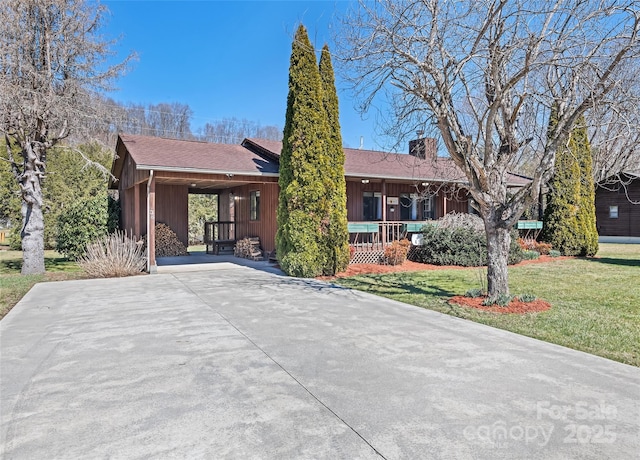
(375, 236)
(219, 234)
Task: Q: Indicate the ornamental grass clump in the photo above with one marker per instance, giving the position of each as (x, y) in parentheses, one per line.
(113, 255)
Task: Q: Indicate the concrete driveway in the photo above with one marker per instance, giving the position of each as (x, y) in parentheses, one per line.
(239, 363)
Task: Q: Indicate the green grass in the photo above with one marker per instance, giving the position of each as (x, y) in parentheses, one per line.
(595, 302)
(13, 285)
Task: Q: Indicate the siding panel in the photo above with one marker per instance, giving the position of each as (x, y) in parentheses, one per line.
(265, 228)
(172, 208)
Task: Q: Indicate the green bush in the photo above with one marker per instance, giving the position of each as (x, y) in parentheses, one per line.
(83, 222)
(554, 253)
(473, 293)
(526, 298)
(113, 214)
(503, 300)
(15, 240)
(530, 255)
(463, 246)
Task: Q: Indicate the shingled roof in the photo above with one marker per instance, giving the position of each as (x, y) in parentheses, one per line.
(163, 154)
(374, 164)
(259, 157)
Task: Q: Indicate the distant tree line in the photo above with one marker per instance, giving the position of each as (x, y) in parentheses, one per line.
(174, 120)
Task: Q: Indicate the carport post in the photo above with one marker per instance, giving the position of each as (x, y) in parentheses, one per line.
(151, 224)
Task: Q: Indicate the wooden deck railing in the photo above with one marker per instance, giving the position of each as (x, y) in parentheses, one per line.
(375, 236)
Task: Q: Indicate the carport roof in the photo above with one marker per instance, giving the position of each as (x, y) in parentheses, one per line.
(163, 154)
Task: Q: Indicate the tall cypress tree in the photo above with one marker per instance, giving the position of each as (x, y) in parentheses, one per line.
(586, 214)
(337, 240)
(569, 218)
(303, 208)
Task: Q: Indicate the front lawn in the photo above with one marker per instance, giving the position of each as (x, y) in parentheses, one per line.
(13, 286)
(595, 302)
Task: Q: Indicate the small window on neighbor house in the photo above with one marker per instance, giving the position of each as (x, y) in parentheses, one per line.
(254, 212)
(613, 212)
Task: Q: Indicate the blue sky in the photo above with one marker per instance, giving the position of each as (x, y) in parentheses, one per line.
(224, 58)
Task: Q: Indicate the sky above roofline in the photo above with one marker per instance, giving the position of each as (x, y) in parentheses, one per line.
(225, 58)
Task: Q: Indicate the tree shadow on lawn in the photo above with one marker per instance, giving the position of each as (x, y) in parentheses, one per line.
(614, 261)
(58, 264)
(401, 285)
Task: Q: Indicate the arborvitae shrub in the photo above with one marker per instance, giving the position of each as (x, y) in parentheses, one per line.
(304, 207)
(569, 218)
(336, 241)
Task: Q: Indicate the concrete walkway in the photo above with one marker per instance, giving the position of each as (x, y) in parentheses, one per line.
(240, 363)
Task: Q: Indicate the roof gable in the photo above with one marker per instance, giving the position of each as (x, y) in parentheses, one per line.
(179, 155)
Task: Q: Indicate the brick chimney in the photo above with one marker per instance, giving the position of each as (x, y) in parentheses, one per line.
(423, 148)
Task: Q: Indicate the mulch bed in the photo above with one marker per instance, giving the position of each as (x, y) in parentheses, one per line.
(515, 306)
(408, 266)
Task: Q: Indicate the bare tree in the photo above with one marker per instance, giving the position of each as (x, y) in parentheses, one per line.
(170, 120)
(485, 74)
(614, 130)
(52, 59)
(234, 130)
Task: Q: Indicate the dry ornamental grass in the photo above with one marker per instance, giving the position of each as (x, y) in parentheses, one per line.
(113, 255)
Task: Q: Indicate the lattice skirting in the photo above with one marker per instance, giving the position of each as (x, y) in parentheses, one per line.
(369, 257)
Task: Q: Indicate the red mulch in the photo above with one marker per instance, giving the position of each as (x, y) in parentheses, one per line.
(515, 306)
(408, 266)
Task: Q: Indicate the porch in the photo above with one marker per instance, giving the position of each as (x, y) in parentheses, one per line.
(368, 240)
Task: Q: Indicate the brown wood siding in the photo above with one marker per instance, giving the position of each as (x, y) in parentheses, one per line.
(127, 211)
(628, 221)
(458, 202)
(224, 214)
(265, 228)
(172, 209)
(130, 175)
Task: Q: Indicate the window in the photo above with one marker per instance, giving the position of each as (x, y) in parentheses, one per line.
(428, 208)
(372, 205)
(613, 212)
(408, 206)
(254, 199)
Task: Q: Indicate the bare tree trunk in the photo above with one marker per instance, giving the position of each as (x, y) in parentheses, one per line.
(33, 232)
(498, 243)
(32, 217)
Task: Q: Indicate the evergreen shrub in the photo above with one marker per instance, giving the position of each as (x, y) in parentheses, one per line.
(460, 245)
(83, 222)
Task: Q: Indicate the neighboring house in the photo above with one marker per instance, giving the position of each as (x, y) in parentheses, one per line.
(385, 190)
(616, 213)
